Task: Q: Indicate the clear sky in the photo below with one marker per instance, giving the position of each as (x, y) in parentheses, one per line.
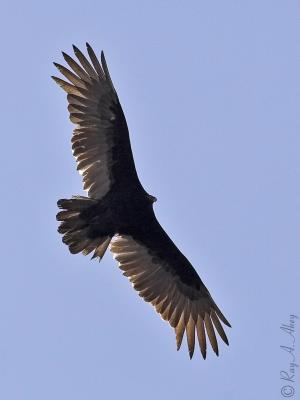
(211, 94)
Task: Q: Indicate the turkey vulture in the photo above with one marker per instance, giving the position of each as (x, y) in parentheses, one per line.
(118, 212)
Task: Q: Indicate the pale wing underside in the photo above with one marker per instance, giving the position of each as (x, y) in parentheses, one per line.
(158, 284)
(91, 98)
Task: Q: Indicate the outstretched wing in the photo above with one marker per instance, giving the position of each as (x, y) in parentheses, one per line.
(165, 278)
(100, 140)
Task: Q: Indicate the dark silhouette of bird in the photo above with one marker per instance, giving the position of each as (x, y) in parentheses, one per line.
(118, 212)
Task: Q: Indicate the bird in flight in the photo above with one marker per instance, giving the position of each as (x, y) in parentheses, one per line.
(118, 212)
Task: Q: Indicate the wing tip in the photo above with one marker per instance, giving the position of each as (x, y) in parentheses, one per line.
(56, 79)
(224, 320)
(103, 62)
(66, 56)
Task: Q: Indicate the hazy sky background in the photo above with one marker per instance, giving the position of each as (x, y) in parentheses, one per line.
(211, 91)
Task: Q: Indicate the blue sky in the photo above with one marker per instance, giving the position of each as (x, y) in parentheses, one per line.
(211, 95)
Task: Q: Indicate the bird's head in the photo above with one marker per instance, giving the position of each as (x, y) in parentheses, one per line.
(152, 198)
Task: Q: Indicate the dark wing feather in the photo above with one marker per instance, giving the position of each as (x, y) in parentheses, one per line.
(100, 141)
(163, 276)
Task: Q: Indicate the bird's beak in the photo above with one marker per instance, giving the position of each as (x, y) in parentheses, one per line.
(152, 198)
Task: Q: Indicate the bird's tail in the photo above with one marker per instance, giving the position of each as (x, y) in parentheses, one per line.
(76, 227)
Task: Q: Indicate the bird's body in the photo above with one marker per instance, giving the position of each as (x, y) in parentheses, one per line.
(118, 212)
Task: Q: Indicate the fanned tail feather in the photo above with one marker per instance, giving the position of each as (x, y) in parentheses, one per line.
(74, 226)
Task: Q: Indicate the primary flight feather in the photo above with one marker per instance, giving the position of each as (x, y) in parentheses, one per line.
(118, 212)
